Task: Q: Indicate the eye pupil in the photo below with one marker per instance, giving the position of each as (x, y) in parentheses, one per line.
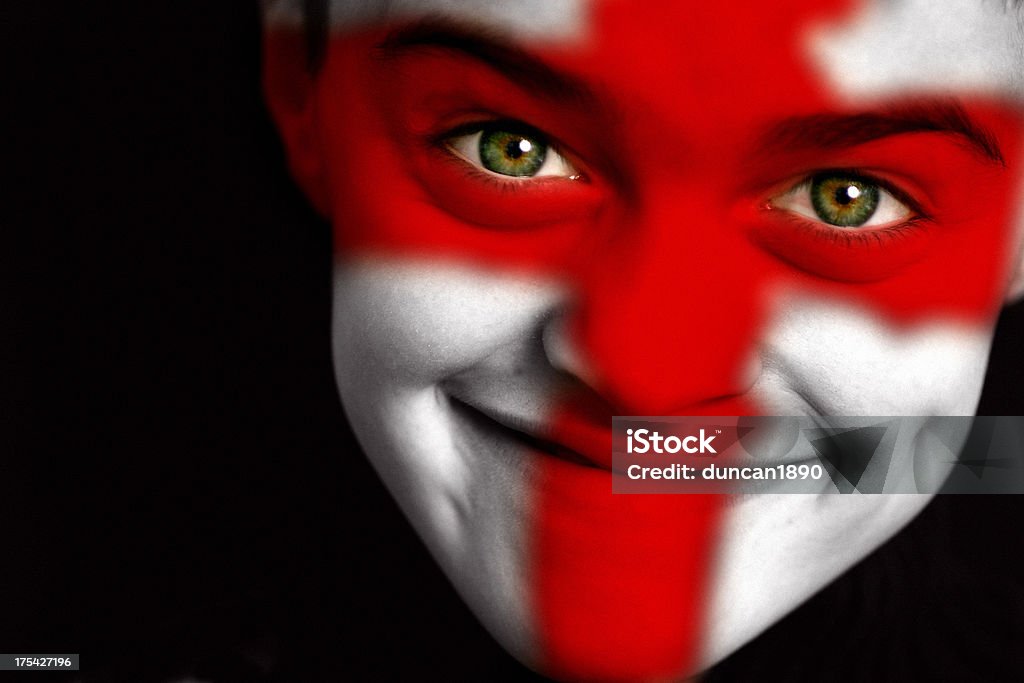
(517, 148)
(847, 194)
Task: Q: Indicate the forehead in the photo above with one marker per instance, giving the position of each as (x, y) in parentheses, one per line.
(863, 48)
(887, 46)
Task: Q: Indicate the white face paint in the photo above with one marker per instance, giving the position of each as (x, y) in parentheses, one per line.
(904, 47)
(817, 351)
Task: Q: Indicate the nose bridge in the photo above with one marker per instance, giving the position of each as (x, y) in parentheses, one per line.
(668, 315)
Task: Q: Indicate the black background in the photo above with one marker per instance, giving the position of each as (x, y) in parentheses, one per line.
(180, 494)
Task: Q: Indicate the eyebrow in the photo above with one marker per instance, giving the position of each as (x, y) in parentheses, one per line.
(815, 131)
(490, 49)
(838, 131)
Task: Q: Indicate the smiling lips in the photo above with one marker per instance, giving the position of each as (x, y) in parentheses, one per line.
(528, 435)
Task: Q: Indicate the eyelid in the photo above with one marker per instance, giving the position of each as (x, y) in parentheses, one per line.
(464, 140)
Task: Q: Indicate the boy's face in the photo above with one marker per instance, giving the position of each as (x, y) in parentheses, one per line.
(550, 213)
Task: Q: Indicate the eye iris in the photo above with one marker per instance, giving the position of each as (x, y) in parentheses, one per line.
(511, 154)
(844, 201)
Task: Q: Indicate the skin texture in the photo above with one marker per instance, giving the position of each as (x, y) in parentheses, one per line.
(478, 319)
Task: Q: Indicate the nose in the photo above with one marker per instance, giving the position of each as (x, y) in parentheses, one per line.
(667, 314)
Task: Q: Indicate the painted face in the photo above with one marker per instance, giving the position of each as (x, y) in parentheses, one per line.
(550, 213)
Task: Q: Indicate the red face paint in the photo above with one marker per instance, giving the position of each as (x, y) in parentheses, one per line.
(672, 249)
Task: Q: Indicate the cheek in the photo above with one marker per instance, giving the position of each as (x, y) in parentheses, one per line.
(833, 358)
(406, 321)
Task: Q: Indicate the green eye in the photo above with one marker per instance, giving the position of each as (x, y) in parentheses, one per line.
(846, 199)
(843, 200)
(512, 154)
(511, 150)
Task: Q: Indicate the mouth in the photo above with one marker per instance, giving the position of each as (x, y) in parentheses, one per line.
(519, 430)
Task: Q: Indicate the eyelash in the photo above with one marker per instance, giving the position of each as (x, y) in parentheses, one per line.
(860, 238)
